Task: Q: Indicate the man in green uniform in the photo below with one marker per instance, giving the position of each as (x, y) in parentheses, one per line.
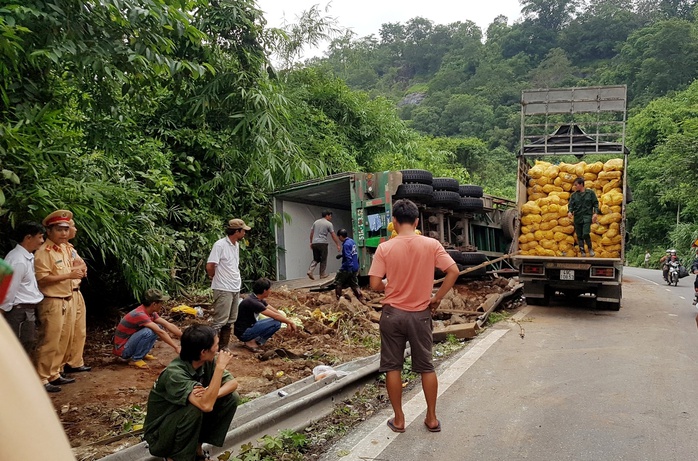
(583, 207)
(193, 400)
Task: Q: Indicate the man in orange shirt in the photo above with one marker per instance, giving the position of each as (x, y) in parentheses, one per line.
(407, 262)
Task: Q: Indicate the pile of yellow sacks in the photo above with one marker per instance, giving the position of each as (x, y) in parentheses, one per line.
(393, 232)
(545, 228)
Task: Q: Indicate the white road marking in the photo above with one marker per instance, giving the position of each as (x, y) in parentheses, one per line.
(668, 290)
(647, 280)
(379, 439)
(682, 297)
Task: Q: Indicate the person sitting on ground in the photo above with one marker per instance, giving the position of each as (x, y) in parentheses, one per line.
(139, 329)
(252, 332)
(193, 401)
(347, 276)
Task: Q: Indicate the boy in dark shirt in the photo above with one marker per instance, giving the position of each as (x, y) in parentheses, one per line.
(252, 332)
(348, 272)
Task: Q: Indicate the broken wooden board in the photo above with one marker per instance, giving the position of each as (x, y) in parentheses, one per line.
(461, 331)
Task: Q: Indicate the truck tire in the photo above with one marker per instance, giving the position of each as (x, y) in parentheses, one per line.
(470, 190)
(449, 184)
(446, 199)
(471, 204)
(417, 176)
(476, 273)
(473, 258)
(417, 192)
(509, 218)
(457, 256)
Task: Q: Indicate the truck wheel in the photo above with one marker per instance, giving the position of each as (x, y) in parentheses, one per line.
(479, 272)
(418, 192)
(509, 218)
(450, 184)
(470, 190)
(457, 256)
(416, 176)
(445, 198)
(470, 204)
(473, 258)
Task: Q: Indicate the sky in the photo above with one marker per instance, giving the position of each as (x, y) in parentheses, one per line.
(365, 17)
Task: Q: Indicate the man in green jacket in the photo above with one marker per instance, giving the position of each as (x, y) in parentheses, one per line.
(193, 400)
(583, 208)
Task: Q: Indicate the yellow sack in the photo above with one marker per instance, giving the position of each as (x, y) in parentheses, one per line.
(554, 199)
(565, 221)
(615, 164)
(612, 184)
(549, 217)
(567, 186)
(536, 196)
(560, 237)
(549, 244)
(530, 207)
(552, 171)
(595, 167)
(579, 169)
(548, 188)
(611, 233)
(184, 309)
(544, 181)
(617, 208)
(548, 225)
(589, 176)
(538, 169)
(564, 196)
(608, 175)
(529, 219)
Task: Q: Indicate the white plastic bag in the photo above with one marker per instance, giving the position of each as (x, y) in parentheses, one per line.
(325, 371)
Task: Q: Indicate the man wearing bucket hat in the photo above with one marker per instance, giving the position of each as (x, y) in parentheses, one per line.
(137, 332)
(54, 275)
(223, 269)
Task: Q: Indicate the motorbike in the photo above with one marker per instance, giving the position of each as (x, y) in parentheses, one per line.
(673, 274)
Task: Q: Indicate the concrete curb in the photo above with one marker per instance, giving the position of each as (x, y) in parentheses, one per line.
(262, 413)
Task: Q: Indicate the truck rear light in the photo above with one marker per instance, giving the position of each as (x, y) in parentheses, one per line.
(533, 269)
(603, 272)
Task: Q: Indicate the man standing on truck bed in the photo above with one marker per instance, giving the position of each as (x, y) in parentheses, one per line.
(583, 207)
(322, 228)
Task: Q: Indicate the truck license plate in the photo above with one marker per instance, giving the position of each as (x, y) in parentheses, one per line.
(566, 274)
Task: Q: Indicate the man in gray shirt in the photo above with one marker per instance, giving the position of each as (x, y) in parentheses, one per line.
(322, 228)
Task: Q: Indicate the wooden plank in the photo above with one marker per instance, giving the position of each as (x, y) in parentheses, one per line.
(473, 268)
(461, 331)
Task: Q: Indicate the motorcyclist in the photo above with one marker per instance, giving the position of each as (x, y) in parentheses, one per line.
(665, 260)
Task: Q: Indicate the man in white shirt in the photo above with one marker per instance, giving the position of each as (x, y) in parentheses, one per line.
(23, 295)
(223, 269)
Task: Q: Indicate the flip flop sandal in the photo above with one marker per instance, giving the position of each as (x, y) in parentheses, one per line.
(436, 428)
(251, 348)
(393, 427)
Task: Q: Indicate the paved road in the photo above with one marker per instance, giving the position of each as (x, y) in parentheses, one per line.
(580, 385)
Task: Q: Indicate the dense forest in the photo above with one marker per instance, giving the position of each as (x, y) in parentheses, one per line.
(155, 122)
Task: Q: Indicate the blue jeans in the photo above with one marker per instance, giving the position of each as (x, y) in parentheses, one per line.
(139, 344)
(261, 331)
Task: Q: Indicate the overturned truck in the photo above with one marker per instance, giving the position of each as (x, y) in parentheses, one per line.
(472, 225)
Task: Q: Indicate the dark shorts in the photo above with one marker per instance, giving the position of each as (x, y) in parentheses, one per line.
(396, 328)
(695, 284)
(346, 279)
